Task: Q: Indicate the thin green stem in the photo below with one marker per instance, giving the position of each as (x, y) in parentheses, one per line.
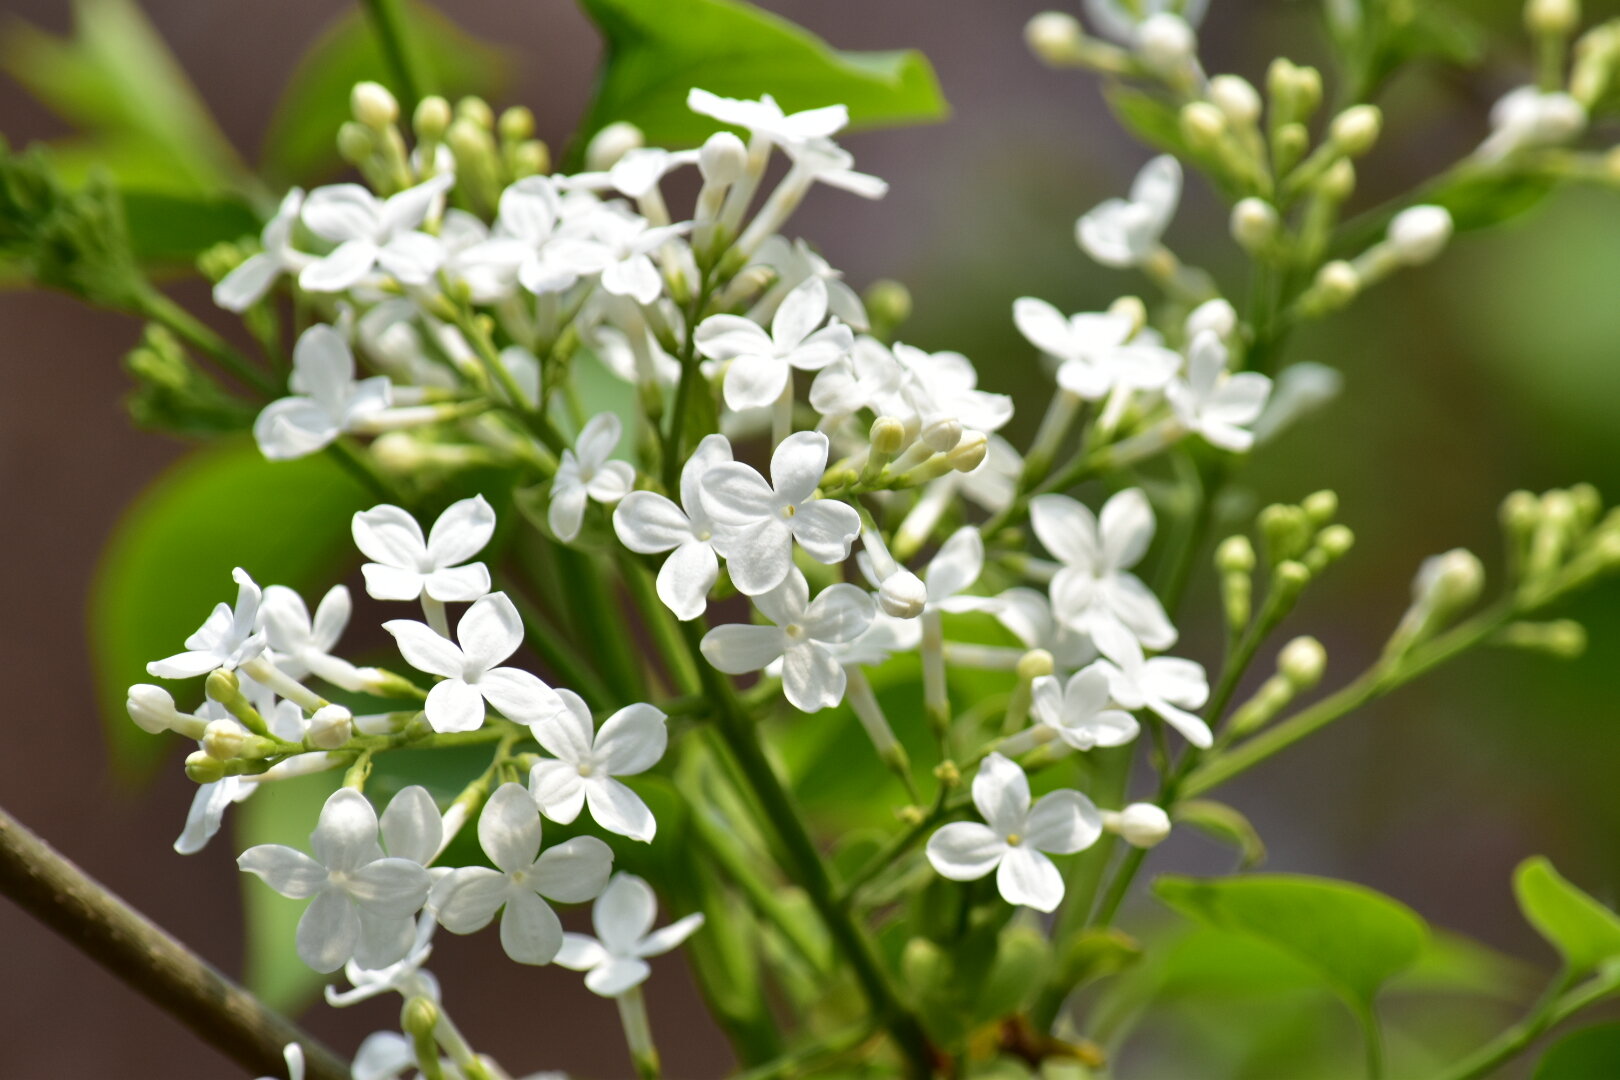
(557, 652)
(1553, 1006)
(176, 319)
(394, 34)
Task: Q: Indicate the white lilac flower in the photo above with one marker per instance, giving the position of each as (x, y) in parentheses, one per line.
(1214, 404)
(523, 879)
(868, 378)
(363, 904)
(404, 976)
(392, 335)
(249, 282)
(207, 812)
(488, 633)
(230, 637)
(1095, 350)
(1528, 117)
(624, 258)
(796, 262)
(1119, 19)
(586, 473)
(303, 645)
(412, 827)
(372, 232)
(615, 960)
(762, 520)
(585, 761)
(293, 1055)
(650, 524)
(326, 401)
(1079, 712)
(946, 385)
(761, 364)
(1164, 685)
(765, 119)
(1124, 232)
(1016, 836)
(405, 566)
(1095, 593)
(954, 569)
(1027, 613)
(544, 235)
(804, 635)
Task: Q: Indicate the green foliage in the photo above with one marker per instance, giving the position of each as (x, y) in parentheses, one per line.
(1375, 38)
(170, 559)
(173, 394)
(658, 51)
(1584, 932)
(1354, 938)
(301, 145)
(1226, 824)
(1587, 1054)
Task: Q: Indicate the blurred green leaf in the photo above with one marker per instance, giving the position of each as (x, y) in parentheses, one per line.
(1584, 932)
(1094, 954)
(1589, 1054)
(170, 228)
(658, 50)
(301, 145)
(1353, 937)
(1154, 120)
(170, 559)
(1480, 200)
(1226, 824)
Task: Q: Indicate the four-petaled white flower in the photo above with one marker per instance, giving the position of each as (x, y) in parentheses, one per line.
(803, 636)
(762, 520)
(544, 235)
(586, 761)
(796, 262)
(624, 256)
(762, 364)
(649, 524)
(523, 878)
(404, 566)
(326, 401)
(1095, 349)
(1080, 713)
(1124, 232)
(1212, 403)
(488, 633)
(615, 960)
(1016, 837)
(946, 385)
(1095, 593)
(586, 473)
(371, 232)
(362, 903)
(302, 645)
(1165, 685)
(404, 976)
(229, 637)
(247, 284)
(765, 119)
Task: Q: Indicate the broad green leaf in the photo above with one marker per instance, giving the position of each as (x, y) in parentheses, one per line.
(178, 228)
(1584, 932)
(1225, 824)
(1589, 1054)
(1353, 937)
(170, 559)
(301, 145)
(658, 50)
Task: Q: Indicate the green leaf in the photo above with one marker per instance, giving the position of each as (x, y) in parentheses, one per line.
(1480, 200)
(1584, 932)
(1587, 1054)
(170, 559)
(1154, 120)
(1351, 936)
(177, 228)
(301, 145)
(1225, 824)
(658, 50)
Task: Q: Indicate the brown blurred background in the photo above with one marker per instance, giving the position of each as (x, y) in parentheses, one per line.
(1496, 367)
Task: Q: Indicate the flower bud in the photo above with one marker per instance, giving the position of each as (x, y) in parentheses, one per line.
(1338, 183)
(1217, 316)
(903, 595)
(530, 158)
(1419, 233)
(1054, 37)
(1286, 531)
(516, 124)
(1320, 506)
(970, 452)
(1237, 98)
(330, 727)
(1165, 43)
(1355, 130)
(1289, 144)
(1254, 224)
(1337, 283)
(888, 435)
(1034, 664)
(1552, 18)
(1140, 825)
(1202, 125)
(355, 143)
(723, 158)
(153, 710)
(224, 739)
(942, 434)
(418, 1017)
(476, 111)
(1450, 581)
(1302, 662)
(612, 143)
(1235, 555)
(204, 768)
(432, 118)
(1561, 638)
(888, 303)
(373, 105)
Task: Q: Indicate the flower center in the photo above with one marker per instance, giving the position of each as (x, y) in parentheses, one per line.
(1014, 839)
(704, 535)
(585, 768)
(794, 631)
(789, 511)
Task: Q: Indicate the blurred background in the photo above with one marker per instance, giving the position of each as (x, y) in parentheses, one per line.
(1496, 367)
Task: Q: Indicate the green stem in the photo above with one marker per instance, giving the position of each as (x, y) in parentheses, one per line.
(556, 651)
(389, 19)
(1373, 1040)
(596, 615)
(160, 309)
(1554, 1005)
(660, 624)
(672, 449)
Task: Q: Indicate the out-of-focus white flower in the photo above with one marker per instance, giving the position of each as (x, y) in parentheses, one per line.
(326, 401)
(764, 119)
(1165, 685)
(1214, 403)
(585, 473)
(249, 282)
(404, 976)
(293, 1055)
(371, 233)
(1124, 232)
(1529, 117)
(587, 760)
(1079, 712)
(795, 263)
(1095, 593)
(303, 646)
(615, 960)
(1094, 350)
(229, 638)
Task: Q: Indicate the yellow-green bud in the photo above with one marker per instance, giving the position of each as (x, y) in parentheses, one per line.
(1235, 555)
(1552, 18)
(203, 768)
(1520, 513)
(1237, 98)
(1338, 182)
(1290, 578)
(355, 142)
(1563, 638)
(1254, 224)
(888, 435)
(1334, 542)
(1034, 664)
(1202, 125)
(888, 303)
(531, 158)
(1355, 130)
(330, 727)
(1302, 662)
(432, 118)
(224, 739)
(1285, 530)
(516, 124)
(612, 143)
(1321, 507)
(969, 452)
(1451, 581)
(418, 1017)
(475, 110)
(1337, 283)
(1132, 308)
(373, 105)
(1054, 37)
(1307, 89)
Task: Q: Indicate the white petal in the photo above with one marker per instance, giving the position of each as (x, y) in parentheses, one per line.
(291, 873)
(738, 648)
(648, 523)
(686, 577)
(661, 941)
(797, 466)
(573, 871)
(566, 732)
(292, 428)
(384, 939)
(557, 789)
(812, 677)
(520, 695)
(965, 850)
(1043, 326)
(454, 705)
(388, 535)
(839, 613)
(804, 309)
(631, 740)
(957, 565)
(530, 931)
(1063, 822)
(391, 582)
(725, 337)
(826, 528)
(426, 650)
(490, 631)
(735, 494)
(759, 557)
(396, 888)
(612, 482)
(1001, 793)
(618, 809)
(345, 837)
(1027, 877)
(246, 285)
(755, 380)
(509, 828)
(411, 826)
(566, 513)
(328, 932)
(346, 266)
(412, 258)
(580, 952)
(461, 532)
(469, 898)
(1126, 529)
(457, 584)
(1067, 529)
(342, 212)
(617, 976)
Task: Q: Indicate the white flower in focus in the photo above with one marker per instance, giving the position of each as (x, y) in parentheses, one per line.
(1094, 350)
(650, 524)
(1165, 685)
(615, 960)
(1079, 712)
(404, 977)
(247, 284)
(326, 401)
(523, 878)
(795, 263)
(488, 633)
(868, 378)
(1124, 232)
(945, 385)
(303, 646)
(1095, 593)
(372, 232)
(1016, 837)
(586, 761)
(803, 637)
(765, 119)
(228, 638)
(207, 811)
(362, 903)
(762, 364)
(1214, 404)
(586, 473)
(762, 520)
(404, 566)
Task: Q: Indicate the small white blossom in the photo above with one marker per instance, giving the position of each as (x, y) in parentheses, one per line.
(523, 878)
(363, 904)
(1528, 117)
(488, 633)
(1016, 837)
(1079, 711)
(1124, 232)
(615, 960)
(405, 566)
(230, 637)
(207, 811)
(1095, 593)
(1214, 404)
(1165, 685)
(625, 261)
(586, 473)
(649, 524)
(1094, 350)
(868, 378)
(372, 232)
(1141, 825)
(303, 646)
(587, 761)
(945, 386)
(404, 976)
(249, 282)
(765, 119)
(761, 364)
(326, 401)
(795, 263)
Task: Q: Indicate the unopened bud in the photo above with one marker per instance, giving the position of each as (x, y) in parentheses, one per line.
(1320, 507)
(1236, 97)
(355, 142)
(1332, 544)
(432, 118)
(970, 452)
(1235, 555)
(153, 710)
(224, 739)
(1355, 130)
(1165, 43)
(1054, 37)
(1520, 513)
(1217, 316)
(1449, 581)
(1552, 18)
(903, 595)
(723, 158)
(888, 304)
(1286, 531)
(204, 768)
(1337, 283)
(1202, 125)
(373, 105)
(1302, 662)
(942, 435)
(330, 727)
(612, 143)
(1034, 664)
(1132, 308)
(1141, 825)
(531, 158)
(1338, 183)
(888, 435)
(1254, 224)
(476, 111)
(516, 124)
(419, 1017)
(1562, 638)
(1419, 233)
(1290, 577)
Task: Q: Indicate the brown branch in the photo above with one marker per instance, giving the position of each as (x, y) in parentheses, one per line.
(149, 960)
